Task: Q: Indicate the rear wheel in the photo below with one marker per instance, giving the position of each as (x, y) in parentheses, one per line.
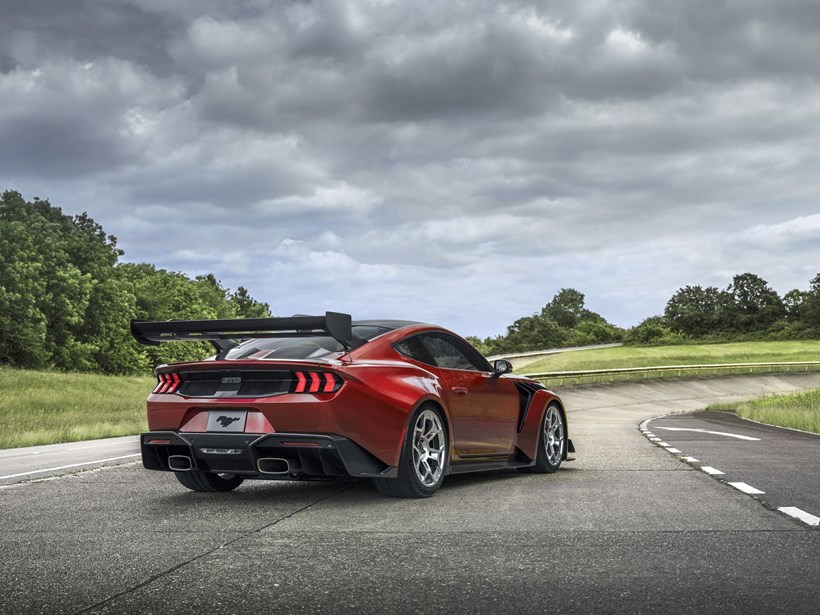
(208, 481)
(552, 443)
(423, 457)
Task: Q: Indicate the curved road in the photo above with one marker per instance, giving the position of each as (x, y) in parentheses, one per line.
(627, 527)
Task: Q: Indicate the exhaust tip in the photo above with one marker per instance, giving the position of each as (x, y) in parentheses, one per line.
(179, 463)
(273, 465)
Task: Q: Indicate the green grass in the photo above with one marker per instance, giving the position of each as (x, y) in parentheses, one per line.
(798, 411)
(48, 407)
(695, 354)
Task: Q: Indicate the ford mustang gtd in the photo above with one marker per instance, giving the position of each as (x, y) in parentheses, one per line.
(323, 397)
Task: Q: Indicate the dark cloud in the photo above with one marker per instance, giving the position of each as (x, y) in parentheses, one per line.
(402, 158)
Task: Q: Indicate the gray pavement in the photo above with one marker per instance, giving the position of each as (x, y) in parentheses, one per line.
(625, 528)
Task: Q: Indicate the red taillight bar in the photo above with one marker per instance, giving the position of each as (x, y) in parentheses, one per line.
(316, 382)
(301, 382)
(168, 383)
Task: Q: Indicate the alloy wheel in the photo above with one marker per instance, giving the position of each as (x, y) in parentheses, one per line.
(554, 436)
(429, 448)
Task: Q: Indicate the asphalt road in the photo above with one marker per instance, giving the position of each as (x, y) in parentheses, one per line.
(627, 527)
(778, 467)
(36, 462)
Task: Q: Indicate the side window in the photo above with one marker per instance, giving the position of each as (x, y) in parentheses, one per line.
(412, 348)
(451, 353)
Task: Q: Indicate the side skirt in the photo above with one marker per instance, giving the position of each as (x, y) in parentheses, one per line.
(463, 467)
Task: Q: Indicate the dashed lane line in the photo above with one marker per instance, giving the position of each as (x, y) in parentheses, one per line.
(795, 512)
(747, 488)
(711, 471)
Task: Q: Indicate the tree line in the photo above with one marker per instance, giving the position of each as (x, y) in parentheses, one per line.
(747, 309)
(561, 323)
(66, 299)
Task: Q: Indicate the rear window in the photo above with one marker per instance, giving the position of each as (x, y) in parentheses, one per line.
(302, 347)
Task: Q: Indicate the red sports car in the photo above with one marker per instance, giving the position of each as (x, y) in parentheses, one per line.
(323, 397)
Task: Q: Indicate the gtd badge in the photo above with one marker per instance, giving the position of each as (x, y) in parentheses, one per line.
(232, 380)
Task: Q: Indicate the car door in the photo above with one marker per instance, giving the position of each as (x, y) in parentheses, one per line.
(483, 409)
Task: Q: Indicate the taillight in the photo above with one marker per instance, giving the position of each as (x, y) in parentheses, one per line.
(167, 383)
(315, 382)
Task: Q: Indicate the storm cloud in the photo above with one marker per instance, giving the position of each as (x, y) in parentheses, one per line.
(455, 162)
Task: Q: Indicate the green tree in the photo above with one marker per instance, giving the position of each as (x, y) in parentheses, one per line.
(246, 306)
(566, 308)
(793, 302)
(694, 310)
(810, 306)
(752, 304)
(66, 301)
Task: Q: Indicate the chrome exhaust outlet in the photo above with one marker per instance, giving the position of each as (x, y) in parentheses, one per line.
(180, 463)
(273, 465)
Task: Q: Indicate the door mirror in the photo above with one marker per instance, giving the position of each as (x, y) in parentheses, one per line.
(501, 366)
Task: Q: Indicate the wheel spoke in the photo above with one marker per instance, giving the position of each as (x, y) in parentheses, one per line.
(428, 448)
(553, 435)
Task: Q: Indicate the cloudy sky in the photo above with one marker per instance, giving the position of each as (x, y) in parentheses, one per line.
(454, 162)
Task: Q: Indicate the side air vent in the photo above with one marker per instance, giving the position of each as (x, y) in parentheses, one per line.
(526, 391)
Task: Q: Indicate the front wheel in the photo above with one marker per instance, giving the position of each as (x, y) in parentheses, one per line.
(552, 443)
(208, 481)
(423, 457)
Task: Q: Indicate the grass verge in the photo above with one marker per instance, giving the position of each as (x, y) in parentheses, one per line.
(694, 354)
(798, 411)
(42, 407)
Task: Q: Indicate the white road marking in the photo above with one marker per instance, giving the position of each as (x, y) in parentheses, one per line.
(73, 465)
(747, 488)
(655, 439)
(672, 449)
(689, 459)
(19, 453)
(664, 444)
(711, 470)
(795, 512)
(716, 433)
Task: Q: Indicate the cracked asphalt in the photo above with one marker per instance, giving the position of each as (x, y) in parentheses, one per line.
(627, 527)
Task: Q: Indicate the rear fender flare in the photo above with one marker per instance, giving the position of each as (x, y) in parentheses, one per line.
(434, 401)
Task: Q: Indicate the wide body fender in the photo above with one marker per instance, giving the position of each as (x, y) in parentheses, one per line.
(531, 431)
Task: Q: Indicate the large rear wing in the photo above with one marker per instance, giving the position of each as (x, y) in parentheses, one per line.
(223, 333)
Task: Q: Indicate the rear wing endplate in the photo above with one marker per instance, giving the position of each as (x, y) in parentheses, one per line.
(223, 333)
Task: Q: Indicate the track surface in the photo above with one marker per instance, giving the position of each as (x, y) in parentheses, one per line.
(626, 528)
(33, 462)
(782, 464)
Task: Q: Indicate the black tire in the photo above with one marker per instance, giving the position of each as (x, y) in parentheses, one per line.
(208, 481)
(420, 473)
(552, 442)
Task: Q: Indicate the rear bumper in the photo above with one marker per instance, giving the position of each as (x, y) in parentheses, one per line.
(308, 456)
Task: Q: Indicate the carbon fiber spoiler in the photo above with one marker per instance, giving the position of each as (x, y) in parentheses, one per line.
(222, 333)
